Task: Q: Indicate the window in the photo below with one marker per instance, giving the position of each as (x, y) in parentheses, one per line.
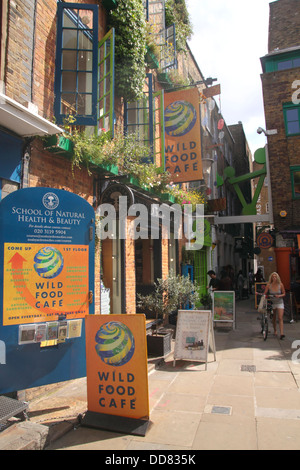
(139, 116)
(106, 82)
(288, 64)
(76, 63)
(291, 119)
(295, 179)
(274, 63)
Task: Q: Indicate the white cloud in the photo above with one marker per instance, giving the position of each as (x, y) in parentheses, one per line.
(229, 39)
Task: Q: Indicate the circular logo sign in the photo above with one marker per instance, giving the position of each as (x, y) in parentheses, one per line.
(48, 262)
(50, 201)
(180, 118)
(115, 343)
(265, 240)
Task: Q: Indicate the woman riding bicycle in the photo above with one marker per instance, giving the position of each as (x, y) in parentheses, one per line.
(276, 289)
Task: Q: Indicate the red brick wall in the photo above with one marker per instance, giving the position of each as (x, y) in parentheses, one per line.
(283, 151)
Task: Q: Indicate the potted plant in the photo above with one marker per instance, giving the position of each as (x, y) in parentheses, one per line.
(206, 301)
(169, 295)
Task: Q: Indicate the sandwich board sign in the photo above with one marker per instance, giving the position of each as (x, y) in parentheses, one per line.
(194, 336)
(47, 281)
(117, 373)
(224, 307)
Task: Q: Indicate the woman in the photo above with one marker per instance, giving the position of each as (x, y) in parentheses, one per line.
(276, 288)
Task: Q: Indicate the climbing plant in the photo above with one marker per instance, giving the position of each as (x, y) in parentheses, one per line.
(129, 22)
(176, 12)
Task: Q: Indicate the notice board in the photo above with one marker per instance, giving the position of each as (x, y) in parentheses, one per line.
(46, 279)
(194, 335)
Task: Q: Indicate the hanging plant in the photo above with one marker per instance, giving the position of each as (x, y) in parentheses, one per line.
(128, 19)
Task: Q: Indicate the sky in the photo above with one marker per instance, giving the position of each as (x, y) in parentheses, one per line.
(229, 38)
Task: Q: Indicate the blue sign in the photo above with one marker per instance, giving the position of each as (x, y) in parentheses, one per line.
(47, 280)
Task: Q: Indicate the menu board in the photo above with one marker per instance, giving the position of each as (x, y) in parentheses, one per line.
(194, 335)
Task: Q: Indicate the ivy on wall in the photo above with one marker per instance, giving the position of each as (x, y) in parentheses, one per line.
(129, 22)
(176, 12)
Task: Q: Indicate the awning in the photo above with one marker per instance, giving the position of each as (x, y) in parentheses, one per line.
(22, 121)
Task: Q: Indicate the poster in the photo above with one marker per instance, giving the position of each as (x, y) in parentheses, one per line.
(224, 306)
(193, 331)
(183, 135)
(47, 248)
(42, 282)
(116, 363)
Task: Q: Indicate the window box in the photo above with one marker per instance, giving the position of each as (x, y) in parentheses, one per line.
(167, 197)
(164, 80)
(151, 59)
(59, 145)
(105, 168)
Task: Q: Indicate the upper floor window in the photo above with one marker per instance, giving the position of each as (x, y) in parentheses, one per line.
(283, 61)
(139, 116)
(76, 63)
(288, 64)
(295, 179)
(291, 118)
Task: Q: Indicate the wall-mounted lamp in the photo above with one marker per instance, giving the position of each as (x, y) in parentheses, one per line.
(260, 130)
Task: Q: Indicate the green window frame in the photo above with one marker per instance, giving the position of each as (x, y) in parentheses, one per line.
(159, 128)
(295, 180)
(200, 270)
(106, 83)
(138, 117)
(291, 114)
(281, 62)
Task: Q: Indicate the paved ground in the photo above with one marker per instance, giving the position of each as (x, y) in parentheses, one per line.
(247, 399)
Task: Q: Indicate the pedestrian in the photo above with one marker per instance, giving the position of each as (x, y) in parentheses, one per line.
(251, 280)
(225, 281)
(259, 276)
(276, 288)
(214, 281)
(240, 284)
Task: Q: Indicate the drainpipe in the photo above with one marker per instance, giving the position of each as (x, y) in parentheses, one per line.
(25, 165)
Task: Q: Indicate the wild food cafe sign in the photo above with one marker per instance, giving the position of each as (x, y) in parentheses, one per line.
(47, 276)
(182, 135)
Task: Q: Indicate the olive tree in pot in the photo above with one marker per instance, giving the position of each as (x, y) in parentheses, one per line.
(170, 294)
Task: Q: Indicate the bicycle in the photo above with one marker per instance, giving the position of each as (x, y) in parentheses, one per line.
(268, 312)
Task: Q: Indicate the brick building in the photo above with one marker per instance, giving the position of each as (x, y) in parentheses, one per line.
(49, 70)
(280, 82)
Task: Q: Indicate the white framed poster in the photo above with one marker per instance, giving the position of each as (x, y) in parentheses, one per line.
(194, 335)
(224, 307)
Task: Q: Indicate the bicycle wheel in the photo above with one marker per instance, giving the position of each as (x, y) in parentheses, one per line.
(265, 329)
